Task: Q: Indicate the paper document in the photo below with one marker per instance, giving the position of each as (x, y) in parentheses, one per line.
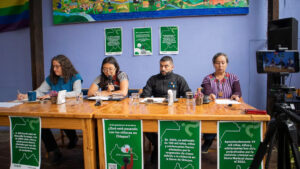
(99, 97)
(226, 101)
(9, 104)
(153, 99)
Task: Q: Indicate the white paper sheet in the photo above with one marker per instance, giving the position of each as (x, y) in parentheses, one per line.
(226, 101)
(9, 104)
(98, 97)
(155, 99)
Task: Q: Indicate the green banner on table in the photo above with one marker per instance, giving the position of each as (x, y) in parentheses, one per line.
(238, 143)
(25, 142)
(179, 145)
(142, 41)
(113, 41)
(169, 40)
(123, 144)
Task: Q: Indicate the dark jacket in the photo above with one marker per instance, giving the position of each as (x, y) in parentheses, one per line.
(158, 85)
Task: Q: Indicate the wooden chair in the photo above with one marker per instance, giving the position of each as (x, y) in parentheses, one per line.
(84, 91)
(130, 91)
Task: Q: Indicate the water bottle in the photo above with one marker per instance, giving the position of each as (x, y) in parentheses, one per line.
(170, 97)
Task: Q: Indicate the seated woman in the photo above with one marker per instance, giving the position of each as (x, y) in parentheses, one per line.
(110, 81)
(63, 76)
(220, 84)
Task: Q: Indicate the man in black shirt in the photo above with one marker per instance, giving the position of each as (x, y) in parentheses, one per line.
(158, 86)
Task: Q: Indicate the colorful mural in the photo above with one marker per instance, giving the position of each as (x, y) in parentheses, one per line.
(72, 11)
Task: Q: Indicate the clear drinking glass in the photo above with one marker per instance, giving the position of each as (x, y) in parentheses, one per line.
(189, 98)
(79, 98)
(135, 98)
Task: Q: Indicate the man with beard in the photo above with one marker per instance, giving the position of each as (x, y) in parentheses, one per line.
(158, 86)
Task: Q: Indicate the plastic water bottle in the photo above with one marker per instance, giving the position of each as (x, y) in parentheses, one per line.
(170, 97)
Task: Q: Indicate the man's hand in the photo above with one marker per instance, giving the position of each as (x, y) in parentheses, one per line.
(212, 97)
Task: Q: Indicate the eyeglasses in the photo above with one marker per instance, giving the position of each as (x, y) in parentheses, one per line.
(56, 66)
(108, 69)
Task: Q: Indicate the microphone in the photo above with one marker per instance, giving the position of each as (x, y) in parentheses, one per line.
(110, 80)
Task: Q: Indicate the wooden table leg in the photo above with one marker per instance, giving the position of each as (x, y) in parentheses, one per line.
(89, 146)
(101, 144)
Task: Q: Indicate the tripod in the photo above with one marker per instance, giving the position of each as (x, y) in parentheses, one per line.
(282, 128)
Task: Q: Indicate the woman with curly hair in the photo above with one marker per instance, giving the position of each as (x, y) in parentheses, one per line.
(63, 76)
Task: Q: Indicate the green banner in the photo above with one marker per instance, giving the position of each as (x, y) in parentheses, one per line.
(142, 41)
(113, 41)
(123, 144)
(179, 145)
(169, 40)
(25, 142)
(238, 143)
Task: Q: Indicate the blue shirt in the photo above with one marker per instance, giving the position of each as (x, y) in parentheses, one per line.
(61, 85)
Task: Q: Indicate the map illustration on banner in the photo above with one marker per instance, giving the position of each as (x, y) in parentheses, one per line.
(113, 41)
(169, 40)
(74, 11)
(25, 142)
(123, 144)
(142, 41)
(179, 145)
(238, 143)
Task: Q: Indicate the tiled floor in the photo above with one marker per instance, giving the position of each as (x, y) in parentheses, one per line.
(72, 159)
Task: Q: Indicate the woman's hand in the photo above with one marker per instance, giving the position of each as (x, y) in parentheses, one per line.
(235, 97)
(47, 96)
(102, 93)
(212, 97)
(22, 96)
(110, 87)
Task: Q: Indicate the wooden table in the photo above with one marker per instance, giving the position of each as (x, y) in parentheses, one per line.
(209, 114)
(65, 116)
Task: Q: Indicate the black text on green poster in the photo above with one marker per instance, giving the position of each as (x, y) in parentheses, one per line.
(123, 144)
(179, 144)
(238, 143)
(25, 141)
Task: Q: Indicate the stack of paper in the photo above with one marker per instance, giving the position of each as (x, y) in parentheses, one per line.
(153, 100)
(9, 104)
(226, 101)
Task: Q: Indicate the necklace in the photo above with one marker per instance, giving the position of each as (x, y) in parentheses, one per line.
(220, 92)
(221, 82)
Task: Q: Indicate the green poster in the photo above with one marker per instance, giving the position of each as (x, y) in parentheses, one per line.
(238, 143)
(142, 41)
(169, 40)
(113, 41)
(179, 145)
(25, 142)
(123, 144)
